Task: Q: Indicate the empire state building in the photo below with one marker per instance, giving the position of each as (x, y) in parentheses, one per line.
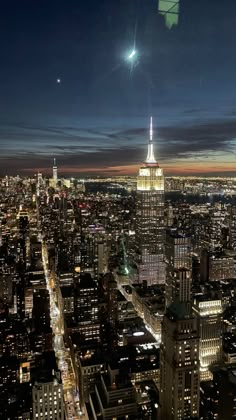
(150, 224)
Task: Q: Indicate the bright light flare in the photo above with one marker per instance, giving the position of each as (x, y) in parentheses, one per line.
(132, 54)
(132, 59)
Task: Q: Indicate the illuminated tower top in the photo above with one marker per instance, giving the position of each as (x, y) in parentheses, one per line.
(150, 156)
(150, 174)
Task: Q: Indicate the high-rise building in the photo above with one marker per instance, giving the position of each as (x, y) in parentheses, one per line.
(39, 183)
(232, 227)
(209, 312)
(41, 310)
(6, 287)
(150, 225)
(179, 364)
(86, 309)
(216, 224)
(225, 385)
(102, 257)
(114, 396)
(110, 292)
(181, 282)
(48, 401)
(109, 311)
(179, 353)
(178, 250)
(216, 266)
(178, 263)
(54, 171)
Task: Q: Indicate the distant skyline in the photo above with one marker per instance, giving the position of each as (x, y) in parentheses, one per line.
(69, 92)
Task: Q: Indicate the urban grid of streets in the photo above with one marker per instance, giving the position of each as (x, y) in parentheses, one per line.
(73, 407)
(74, 410)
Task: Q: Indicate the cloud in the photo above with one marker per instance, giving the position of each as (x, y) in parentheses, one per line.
(27, 147)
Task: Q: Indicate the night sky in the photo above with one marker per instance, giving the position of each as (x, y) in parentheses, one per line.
(95, 121)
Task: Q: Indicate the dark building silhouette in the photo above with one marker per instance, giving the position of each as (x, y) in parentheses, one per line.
(86, 309)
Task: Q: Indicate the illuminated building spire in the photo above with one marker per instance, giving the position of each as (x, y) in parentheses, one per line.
(150, 230)
(150, 156)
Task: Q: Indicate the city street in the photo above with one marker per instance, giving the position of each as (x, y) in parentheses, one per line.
(73, 410)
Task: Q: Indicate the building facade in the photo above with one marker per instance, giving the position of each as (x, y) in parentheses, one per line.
(209, 312)
(48, 400)
(150, 224)
(178, 260)
(54, 172)
(179, 364)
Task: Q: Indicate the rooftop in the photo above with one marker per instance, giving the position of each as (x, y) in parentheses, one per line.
(178, 311)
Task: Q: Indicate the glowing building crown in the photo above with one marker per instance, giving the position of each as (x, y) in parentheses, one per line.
(150, 156)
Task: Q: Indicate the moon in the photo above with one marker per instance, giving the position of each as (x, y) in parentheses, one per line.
(132, 54)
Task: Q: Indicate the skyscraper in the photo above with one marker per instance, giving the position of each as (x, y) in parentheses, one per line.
(86, 309)
(179, 354)
(232, 227)
(181, 285)
(179, 364)
(150, 226)
(54, 171)
(178, 261)
(209, 311)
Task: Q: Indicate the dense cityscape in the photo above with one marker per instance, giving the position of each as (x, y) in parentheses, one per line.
(118, 296)
(117, 210)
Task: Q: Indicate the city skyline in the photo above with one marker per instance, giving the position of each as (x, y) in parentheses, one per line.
(117, 210)
(110, 288)
(96, 121)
